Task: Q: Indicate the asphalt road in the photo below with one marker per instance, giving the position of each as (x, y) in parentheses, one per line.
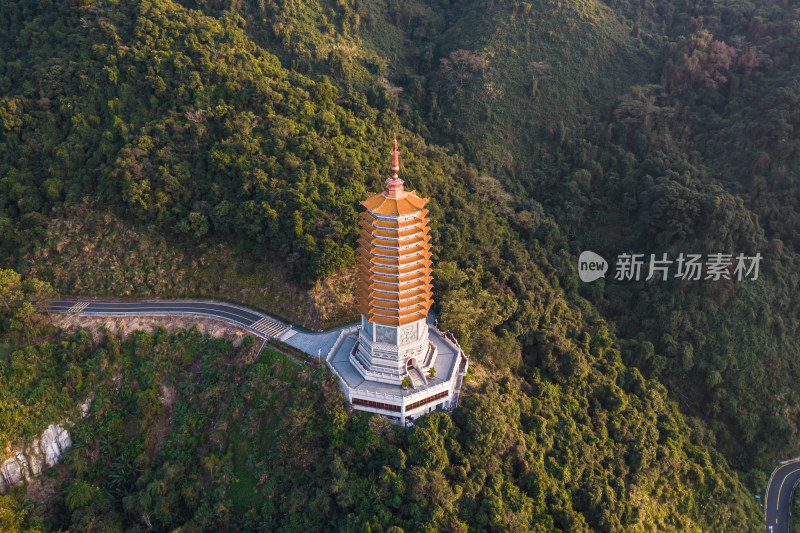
(779, 497)
(257, 322)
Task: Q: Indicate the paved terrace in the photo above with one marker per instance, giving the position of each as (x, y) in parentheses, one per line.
(445, 365)
(313, 343)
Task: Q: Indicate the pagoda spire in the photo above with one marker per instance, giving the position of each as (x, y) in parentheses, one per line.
(395, 159)
(394, 185)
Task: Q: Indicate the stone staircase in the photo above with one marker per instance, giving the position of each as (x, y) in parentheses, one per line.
(417, 378)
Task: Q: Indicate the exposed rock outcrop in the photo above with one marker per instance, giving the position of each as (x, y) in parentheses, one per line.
(46, 451)
(42, 452)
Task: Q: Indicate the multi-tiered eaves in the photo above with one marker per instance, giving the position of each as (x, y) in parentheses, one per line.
(394, 261)
(393, 291)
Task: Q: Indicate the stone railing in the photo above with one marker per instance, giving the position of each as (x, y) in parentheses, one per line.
(332, 351)
(342, 335)
(449, 338)
(365, 372)
(407, 398)
(392, 350)
(368, 373)
(446, 385)
(429, 355)
(420, 372)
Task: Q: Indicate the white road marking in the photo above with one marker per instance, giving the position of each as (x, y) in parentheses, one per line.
(80, 306)
(778, 505)
(269, 327)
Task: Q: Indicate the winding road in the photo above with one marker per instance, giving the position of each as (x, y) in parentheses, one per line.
(778, 500)
(253, 320)
(315, 344)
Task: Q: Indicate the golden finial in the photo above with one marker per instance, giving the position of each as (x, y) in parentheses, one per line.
(394, 185)
(395, 159)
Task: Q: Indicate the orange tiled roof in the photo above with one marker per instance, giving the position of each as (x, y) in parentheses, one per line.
(404, 204)
(394, 285)
(400, 233)
(393, 224)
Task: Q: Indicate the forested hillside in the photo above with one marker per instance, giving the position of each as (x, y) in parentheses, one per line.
(649, 128)
(246, 133)
(188, 432)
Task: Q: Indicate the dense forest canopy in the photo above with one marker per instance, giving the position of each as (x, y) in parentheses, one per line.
(188, 432)
(250, 130)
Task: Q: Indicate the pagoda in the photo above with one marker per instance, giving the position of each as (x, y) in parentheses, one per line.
(393, 291)
(394, 362)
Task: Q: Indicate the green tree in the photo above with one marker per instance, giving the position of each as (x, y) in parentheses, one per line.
(23, 301)
(11, 293)
(80, 494)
